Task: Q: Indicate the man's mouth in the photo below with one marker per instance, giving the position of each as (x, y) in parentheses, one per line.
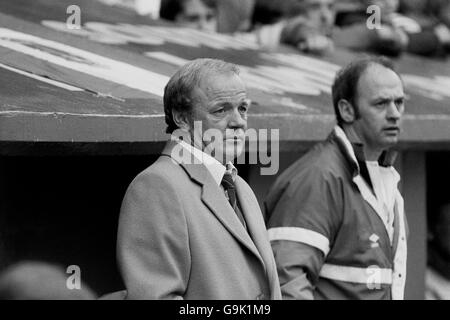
(392, 130)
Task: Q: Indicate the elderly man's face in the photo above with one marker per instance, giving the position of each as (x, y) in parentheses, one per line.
(380, 100)
(197, 15)
(221, 104)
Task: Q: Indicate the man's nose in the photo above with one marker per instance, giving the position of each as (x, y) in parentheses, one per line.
(237, 120)
(394, 112)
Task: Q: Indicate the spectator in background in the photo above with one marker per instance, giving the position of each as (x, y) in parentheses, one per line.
(316, 26)
(437, 280)
(354, 32)
(434, 10)
(311, 28)
(433, 18)
(196, 14)
(31, 280)
(309, 25)
(397, 33)
(223, 16)
(234, 15)
(306, 25)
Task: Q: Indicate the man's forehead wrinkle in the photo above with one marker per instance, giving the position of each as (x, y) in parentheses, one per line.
(228, 98)
(211, 92)
(225, 93)
(214, 92)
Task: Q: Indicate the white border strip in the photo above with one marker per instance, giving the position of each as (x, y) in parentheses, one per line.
(302, 235)
(369, 275)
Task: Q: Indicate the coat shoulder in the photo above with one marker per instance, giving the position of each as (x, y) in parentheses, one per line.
(323, 161)
(163, 168)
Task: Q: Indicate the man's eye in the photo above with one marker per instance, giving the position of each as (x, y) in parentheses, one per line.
(399, 102)
(243, 109)
(219, 111)
(380, 104)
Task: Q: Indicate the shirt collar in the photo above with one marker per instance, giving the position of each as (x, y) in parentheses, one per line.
(214, 167)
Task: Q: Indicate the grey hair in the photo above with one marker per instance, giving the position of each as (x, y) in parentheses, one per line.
(178, 91)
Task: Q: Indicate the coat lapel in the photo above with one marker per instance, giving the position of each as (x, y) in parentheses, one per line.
(213, 197)
(254, 219)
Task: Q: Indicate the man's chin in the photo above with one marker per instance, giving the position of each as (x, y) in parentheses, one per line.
(391, 141)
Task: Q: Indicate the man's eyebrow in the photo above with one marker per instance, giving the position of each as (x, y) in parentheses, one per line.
(223, 104)
(386, 98)
(380, 99)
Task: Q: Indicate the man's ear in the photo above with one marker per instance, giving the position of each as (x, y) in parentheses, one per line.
(182, 120)
(347, 111)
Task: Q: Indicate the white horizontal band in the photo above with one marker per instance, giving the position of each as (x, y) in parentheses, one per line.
(302, 235)
(369, 275)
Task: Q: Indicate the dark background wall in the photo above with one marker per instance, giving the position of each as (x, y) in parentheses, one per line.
(438, 180)
(65, 210)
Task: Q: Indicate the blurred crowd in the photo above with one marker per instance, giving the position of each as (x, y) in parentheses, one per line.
(388, 27)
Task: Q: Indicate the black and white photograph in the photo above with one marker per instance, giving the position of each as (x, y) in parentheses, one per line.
(225, 150)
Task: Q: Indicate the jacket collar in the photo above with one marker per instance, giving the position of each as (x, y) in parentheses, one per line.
(354, 153)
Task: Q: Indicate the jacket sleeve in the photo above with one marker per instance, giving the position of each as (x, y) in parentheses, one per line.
(153, 245)
(302, 227)
(298, 266)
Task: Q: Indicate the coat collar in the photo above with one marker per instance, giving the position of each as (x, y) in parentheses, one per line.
(354, 153)
(213, 197)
